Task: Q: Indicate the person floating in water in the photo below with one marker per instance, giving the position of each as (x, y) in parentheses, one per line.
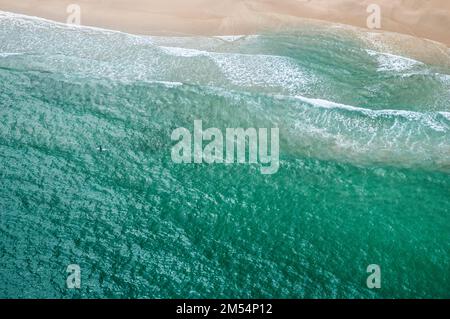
(101, 149)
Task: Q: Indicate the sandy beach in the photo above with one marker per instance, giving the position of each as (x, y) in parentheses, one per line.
(426, 19)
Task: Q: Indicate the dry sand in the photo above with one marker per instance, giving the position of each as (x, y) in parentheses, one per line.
(428, 19)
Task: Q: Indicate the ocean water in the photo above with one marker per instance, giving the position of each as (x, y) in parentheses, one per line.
(364, 172)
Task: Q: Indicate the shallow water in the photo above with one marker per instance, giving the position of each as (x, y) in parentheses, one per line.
(364, 176)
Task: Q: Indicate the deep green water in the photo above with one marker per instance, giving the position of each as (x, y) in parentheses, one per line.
(364, 176)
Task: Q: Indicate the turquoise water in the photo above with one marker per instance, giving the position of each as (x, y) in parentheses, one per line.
(364, 176)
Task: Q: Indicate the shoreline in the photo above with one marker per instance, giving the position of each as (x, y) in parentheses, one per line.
(388, 42)
(427, 20)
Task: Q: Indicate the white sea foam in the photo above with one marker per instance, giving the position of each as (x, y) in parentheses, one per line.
(446, 115)
(333, 105)
(183, 52)
(167, 83)
(251, 69)
(445, 78)
(230, 38)
(392, 62)
(268, 70)
(427, 118)
(7, 54)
